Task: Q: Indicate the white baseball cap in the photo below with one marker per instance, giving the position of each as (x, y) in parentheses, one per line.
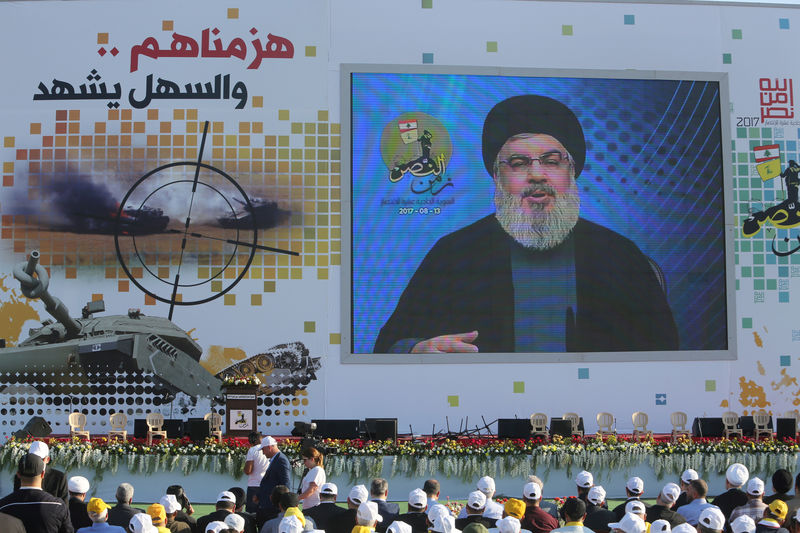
(417, 498)
(437, 510)
(329, 488)
(39, 448)
(744, 524)
(358, 494)
(170, 503)
(683, 528)
(486, 484)
(584, 479)
(755, 487)
(660, 526)
(476, 500)
(597, 495)
(670, 493)
(630, 523)
(737, 475)
(444, 524)
(216, 526)
(712, 518)
(226, 496)
(235, 521)
(508, 524)
(78, 484)
(635, 507)
(290, 524)
(268, 441)
(142, 523)
(368, 512)
(399, 527)
(635, 485)
(532, 491)
(689, 475)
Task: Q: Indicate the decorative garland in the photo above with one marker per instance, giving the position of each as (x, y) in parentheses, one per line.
(462, 458)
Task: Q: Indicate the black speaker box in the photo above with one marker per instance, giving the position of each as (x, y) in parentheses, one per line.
(381, 428)
(173, 427)
(708, 427)
(514, 428)
(36, 427)
(198, 429)
(560, 426)
(336, 429)
(785, 428)
(749, 427)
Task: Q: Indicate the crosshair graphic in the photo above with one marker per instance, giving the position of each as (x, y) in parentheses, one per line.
(221, 240)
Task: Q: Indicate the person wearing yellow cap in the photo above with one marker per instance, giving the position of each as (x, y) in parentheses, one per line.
(159, 517)
(98, 514)
(774, 516)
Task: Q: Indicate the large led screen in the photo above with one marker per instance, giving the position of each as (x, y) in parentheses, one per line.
(536, 216)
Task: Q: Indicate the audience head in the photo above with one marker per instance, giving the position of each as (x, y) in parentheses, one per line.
(684, 528)
(782, 481)
(669, 495)
(269, 447)
(240, 495)
(574, 509)
(124, 493)
(630, 523)
(444, 524)
(755, 488)
(736, 475)
(417, 501)
(98, 510)
(226, 500)
(275, 495)
(328, 492)
(180, 494)
(486, 486)
(295, 511)
(432, 488)
(597, 495)
(254, 438)
(141, 523)
(157, 514)
(711, 521)
(216, 526)
(358, 495)
(367, 514)
(288, 500)
(660, 526)
(437, 511)
(78, 486)
(399, 527)
(41, 450)
(697, 489)
(743, 524)
(508, 524)
(476, 502)
(634, 486)
(636, 507)
(688, 475)
(171, 506)
(584, 481)
(475, 527)
(515, 508)
(379, 488)
(531, 492)
(777, 509)
(290, 524)
(30, 470)
(235, 522)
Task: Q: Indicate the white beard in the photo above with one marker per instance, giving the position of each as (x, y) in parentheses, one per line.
(540, 230)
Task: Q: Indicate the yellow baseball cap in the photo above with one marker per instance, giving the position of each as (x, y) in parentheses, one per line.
(97, 506)
(157, 513)
(778, 508)
(295, 511)
(515, 508)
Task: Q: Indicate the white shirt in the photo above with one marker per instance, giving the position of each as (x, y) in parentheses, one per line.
(260, 463)
(315, 475)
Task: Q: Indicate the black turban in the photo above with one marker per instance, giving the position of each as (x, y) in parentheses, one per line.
(532, 113)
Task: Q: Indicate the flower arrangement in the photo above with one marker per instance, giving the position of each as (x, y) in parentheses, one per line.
(241, 381)
(465, 458)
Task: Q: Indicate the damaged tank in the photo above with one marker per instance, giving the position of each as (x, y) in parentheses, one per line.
(282, 369)
(263, 215)
(132, 221)
(80, 348)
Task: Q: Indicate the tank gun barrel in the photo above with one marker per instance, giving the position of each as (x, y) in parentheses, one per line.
(33, 280)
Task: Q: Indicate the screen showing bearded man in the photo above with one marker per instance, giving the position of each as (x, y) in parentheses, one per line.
(533, 276)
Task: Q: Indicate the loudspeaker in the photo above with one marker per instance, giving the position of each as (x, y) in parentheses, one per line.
(36, 427)
(198, 429)
(381, 428)
(336, 429)
(708, 427)
(140, 428)
(514, 428)
(748, 426)
(559, 426)
(786, 428)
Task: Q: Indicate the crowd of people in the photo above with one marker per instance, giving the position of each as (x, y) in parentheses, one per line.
(44, 500)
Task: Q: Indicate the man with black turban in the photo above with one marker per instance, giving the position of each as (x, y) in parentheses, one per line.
(533, 276)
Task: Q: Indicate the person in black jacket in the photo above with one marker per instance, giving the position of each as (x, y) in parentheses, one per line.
(416, 517)
(735, 477)
(226, 504)
(277, 474)
(39, 511)
(78, 487)
(55, 481)
(327, 510)
(476, 505)
(120, 514)
(665, 501)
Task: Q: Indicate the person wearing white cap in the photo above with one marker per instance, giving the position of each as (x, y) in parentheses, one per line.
(574, 511)
(277, 473)
(660, 526)
(445, 524)
(367, 517)
(508, 524)
(344, 522)
(735, 477)
(235, 522)
(630, 523)
(711, 520)
(378, 492)
(754, 508)
(697, 491)
(686, 477)
(743, 524)
(78, 487)
(141, 523)
(597, 517)
(662, 510)
(584, 481)
(493, 509)
(684, 528)
(536, 519)
(226, 504)
(255, 466)
(171, 508)
(476, 505)
(547, 505)
(398, 526)
(416, 516)
(327, 509)
(290, 524)
(634, 489)
(55, 481)
(215, 526)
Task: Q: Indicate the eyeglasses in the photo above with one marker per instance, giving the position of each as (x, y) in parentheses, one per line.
(550, 162)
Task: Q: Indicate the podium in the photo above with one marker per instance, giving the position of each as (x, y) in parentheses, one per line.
(241, 415)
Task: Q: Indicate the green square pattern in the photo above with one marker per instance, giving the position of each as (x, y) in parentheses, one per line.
(519, 387)
(491, 46)
(566, 29)
(711, 385)
(747, 323)
(453, 401)
(736, 34)
(726, 59)
(427, 4)
(309, 327)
